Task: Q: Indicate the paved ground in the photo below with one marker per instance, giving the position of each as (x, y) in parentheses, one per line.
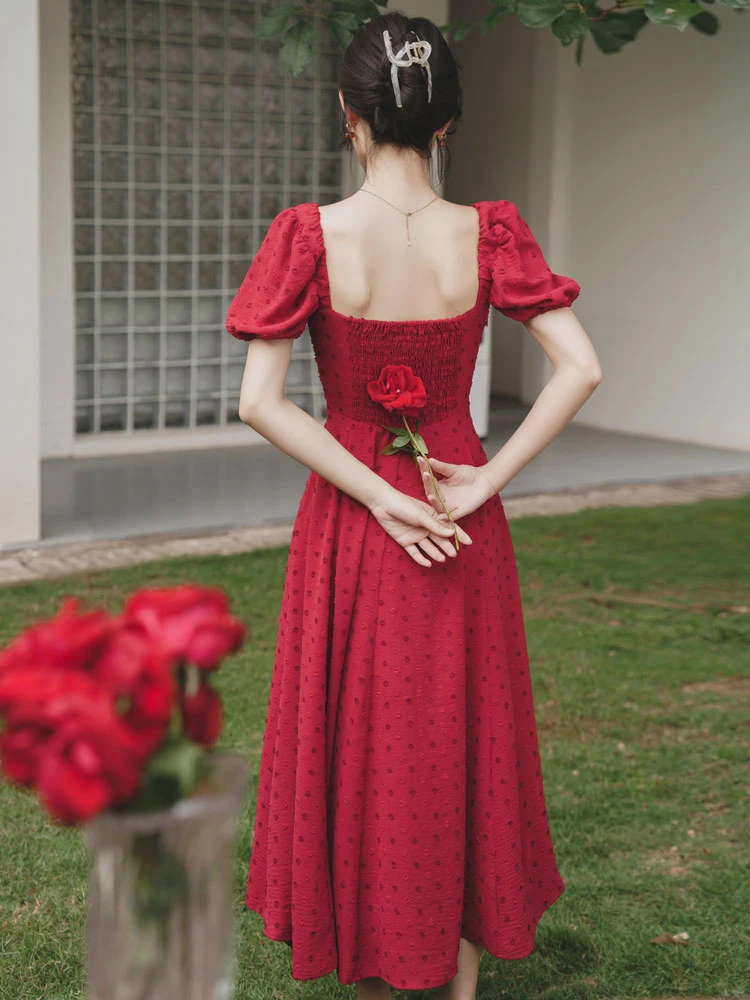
(46, 561)
(256, 485)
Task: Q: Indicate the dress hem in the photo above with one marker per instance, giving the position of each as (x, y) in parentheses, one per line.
(435, 981)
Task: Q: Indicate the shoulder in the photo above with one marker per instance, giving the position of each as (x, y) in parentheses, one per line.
(501, 215)
(295, 230)
(337, 219)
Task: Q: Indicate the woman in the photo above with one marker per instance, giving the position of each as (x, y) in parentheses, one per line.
(400, 826)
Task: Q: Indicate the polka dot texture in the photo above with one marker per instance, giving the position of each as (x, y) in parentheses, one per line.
(401, 802)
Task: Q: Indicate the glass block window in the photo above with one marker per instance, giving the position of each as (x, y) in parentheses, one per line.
(188, 139)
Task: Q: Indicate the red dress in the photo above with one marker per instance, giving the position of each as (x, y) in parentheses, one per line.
(400, 803)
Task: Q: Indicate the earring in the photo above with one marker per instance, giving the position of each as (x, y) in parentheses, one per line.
(440, 136)
(349, 131)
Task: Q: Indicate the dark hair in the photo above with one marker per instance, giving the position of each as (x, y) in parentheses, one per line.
(365, 82)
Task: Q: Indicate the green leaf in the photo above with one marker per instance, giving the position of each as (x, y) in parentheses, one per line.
(489, 20)
(617, 30)
(341, 36)
(421, 442)
(674, 13)
(275, 19)
(705, 22)
(389, 450)
(396, 430)
(172, 772)
(297, 48)
(363, 9)
(347, 20)
(460, 29)
(399, 442)
(579, 50)
(571, 25)
(538, 13)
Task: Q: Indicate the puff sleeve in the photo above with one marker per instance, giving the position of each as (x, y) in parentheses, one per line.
(278, 293)
(523, 286)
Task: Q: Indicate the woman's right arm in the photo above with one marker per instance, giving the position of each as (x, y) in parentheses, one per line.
(265, 408)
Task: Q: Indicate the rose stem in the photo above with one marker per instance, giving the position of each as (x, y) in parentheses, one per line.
(432, 476)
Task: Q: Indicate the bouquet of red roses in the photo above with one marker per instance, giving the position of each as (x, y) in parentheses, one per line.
(399, 390)
(107, 711)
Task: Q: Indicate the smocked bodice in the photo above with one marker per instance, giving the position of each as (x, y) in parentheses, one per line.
(351, 352)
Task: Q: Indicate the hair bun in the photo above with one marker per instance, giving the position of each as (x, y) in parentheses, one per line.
(407, 90)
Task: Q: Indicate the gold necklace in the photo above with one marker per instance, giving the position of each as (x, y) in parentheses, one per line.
(407, 214)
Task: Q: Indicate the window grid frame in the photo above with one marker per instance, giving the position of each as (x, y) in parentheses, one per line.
(304, 386)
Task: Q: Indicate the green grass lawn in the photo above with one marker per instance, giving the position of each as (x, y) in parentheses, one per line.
(639, 633)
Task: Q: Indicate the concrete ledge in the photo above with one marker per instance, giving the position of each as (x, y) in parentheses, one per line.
(49, 561)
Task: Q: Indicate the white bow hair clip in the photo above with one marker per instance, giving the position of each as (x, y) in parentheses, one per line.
(411, 52)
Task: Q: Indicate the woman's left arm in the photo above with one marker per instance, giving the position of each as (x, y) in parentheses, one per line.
(577, 373)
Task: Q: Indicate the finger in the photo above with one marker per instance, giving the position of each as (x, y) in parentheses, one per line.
(444, 468)
(448, 545)
(417, 555)
(462, 535)
(456, 513)
(431, 521)
(431, 550)
(425, 469)
(433, 499)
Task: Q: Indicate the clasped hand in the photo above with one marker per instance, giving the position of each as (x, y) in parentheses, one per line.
(424, 529)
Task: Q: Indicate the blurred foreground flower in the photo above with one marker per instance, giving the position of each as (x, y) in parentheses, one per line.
(112, 720)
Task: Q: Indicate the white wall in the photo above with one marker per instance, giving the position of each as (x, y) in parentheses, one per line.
(490, 152)
(658, 229)
(19, 274)
(632, 171)
(57, 293)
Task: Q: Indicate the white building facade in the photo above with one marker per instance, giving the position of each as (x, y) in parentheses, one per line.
(149, 143)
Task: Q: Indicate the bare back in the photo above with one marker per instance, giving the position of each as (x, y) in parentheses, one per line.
(374, 274)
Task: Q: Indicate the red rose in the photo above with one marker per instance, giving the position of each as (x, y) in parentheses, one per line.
(202, 715)
(88, 765)
(69, 641)
(398, 388)
(140, 675)
(64, 737)
(192, 622)
(24, 695)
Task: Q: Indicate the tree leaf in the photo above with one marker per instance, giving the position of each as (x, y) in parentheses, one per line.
(347, 20)
(297, 47)
(673, 13)
(363, 9)
(461, 29)
(569, 26)
(579, 50)
(617, 30)
(399, 442)
(275, 19)
(341, 36)
(490, 18)
(705, 22)
(538, 13)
